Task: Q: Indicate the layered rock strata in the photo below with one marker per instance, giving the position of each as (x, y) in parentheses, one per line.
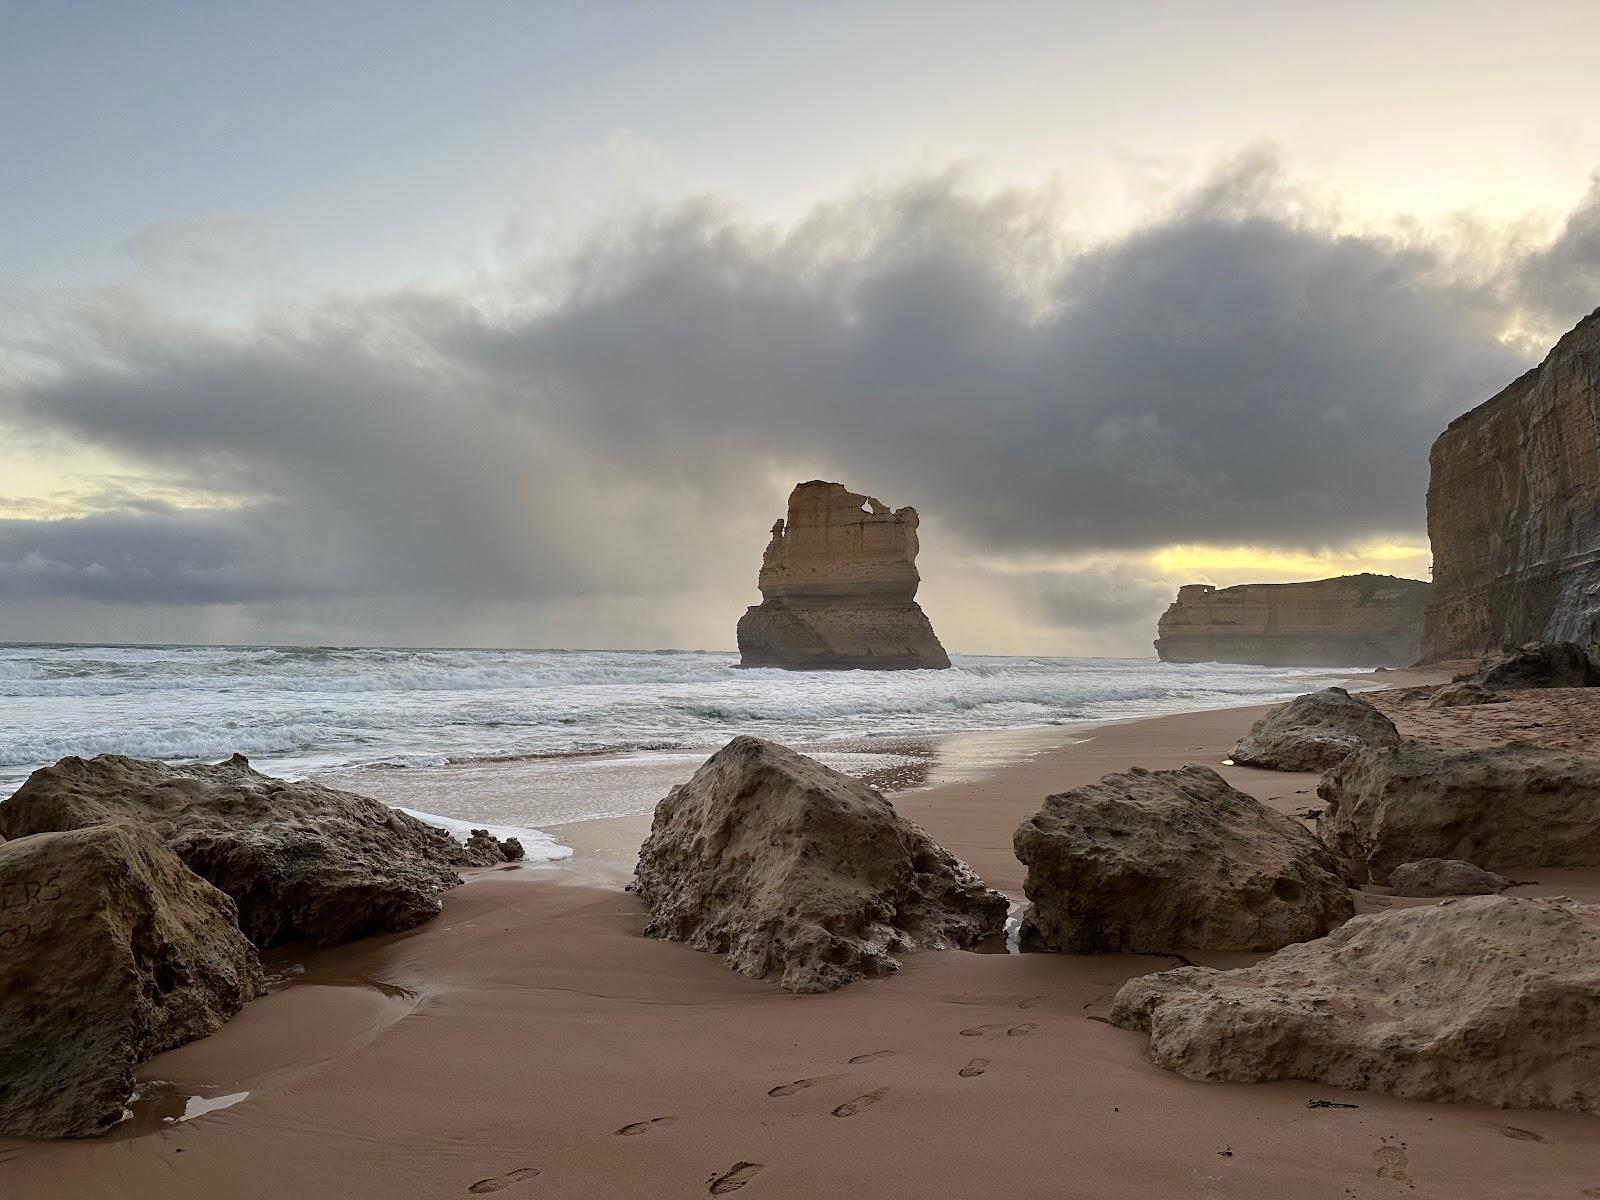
(790, 868)
(1146, 862)
(1313, 732)
(1498, 807)
(1514, 511)
(111, 951)
(299, 859)
(1506, 1011)
(1350, 621)
(838, 585)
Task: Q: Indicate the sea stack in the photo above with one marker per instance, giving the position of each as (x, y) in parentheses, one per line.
(1514, 511)
(838, 588)
(1350, 621)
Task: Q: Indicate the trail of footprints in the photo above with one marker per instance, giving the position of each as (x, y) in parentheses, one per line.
(741, 1173)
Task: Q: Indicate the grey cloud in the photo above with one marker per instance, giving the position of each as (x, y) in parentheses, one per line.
(1230, 373)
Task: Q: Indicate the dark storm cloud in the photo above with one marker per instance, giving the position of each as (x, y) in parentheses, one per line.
(1229, 373)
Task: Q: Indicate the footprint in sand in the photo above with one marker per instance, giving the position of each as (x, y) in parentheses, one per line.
(495, 1183)
(876, 1054)
(1031, 1002)
(851, 1107)
(1392, 1163)
(639, 1127)
(1022, 1030)
(1523, 1135)
(978, 1030)
(800, 1085)
(974, 1068)
(734, 1178)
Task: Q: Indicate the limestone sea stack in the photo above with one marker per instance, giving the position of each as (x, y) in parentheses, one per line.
(111, 951)
(1351, 621)
(786, 866)
(299, 859)
(1514, 511)
(838, 588)
(1491, 1000)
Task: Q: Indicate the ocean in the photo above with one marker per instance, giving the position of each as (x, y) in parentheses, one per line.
(523, 739)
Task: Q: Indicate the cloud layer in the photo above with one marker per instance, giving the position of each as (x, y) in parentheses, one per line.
(619, 427)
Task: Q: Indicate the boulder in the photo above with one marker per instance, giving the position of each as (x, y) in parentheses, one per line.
(1445, 877)
(299, 859)
(1499, 807)
(1463, 693)
(483, 849)
(1313, 732)
(1537, 665)
(111, 951)
(1491, 1000)
(786, 866)
(1153, 861)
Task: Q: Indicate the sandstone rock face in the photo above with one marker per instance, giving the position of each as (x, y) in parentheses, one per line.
(1351, 621)
(111, 951)
(1514, 511)
(1538, 665)
(299, 859)
(838, 586)
(1313, 732)
(1154, 861)
(1445, 877)
(783, 865)
(1463, 694)
(1507, 1011)
(1499, 807)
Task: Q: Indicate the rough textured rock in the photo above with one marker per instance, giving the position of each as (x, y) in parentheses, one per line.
(483, 849)
(1351, 621)
(111, 951)
(1313, 732)
(1499, 807)
(1538, 665)
(1153, 861)
(1514, 511)
(299, 859)
(1463, 694)
(1445, 877)
(838, 586)
(784, 865)
(1507, 1011)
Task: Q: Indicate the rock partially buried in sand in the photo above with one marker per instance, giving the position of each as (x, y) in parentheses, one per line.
(784, 865)
(1491, 1000)
(299, 859)
(1499, 807)
(483, 849)
(1463, 694)
(111, 951)
(1538, 665)
(1445, 877)
(1153, 861)
(1313, 732)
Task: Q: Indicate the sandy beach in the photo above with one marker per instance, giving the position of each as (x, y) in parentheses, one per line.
(530, 1041)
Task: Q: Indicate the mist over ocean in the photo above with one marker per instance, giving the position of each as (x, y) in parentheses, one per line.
(299, 711)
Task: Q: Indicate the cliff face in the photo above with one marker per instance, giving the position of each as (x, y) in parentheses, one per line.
(1351, 621)
(838, 586)
(1514, 511)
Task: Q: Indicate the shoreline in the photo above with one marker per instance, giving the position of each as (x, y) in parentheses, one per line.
(531, 1028)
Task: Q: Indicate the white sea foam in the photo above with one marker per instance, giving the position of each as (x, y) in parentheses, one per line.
(538, 845)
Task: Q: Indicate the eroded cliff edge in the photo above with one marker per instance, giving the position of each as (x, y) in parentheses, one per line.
(1349, 621)
(1514, 511)
(838, 586)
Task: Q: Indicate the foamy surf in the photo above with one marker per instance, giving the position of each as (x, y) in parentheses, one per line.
(537, 845)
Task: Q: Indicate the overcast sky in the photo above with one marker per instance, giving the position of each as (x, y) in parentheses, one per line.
(513, 324)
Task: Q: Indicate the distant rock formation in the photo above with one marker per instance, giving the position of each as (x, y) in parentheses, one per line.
(1537, 665)
(838, 586)
(787, 866)
(1491, 1000)
(1350, 621)
(1514, 511)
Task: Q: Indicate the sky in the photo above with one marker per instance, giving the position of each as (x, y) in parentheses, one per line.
(513, 325)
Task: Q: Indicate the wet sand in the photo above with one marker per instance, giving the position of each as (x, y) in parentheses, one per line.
(530, 1043)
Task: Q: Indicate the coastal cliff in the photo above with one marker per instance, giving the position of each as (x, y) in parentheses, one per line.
(838, 585)
(1514, 511)
(1350, 621)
